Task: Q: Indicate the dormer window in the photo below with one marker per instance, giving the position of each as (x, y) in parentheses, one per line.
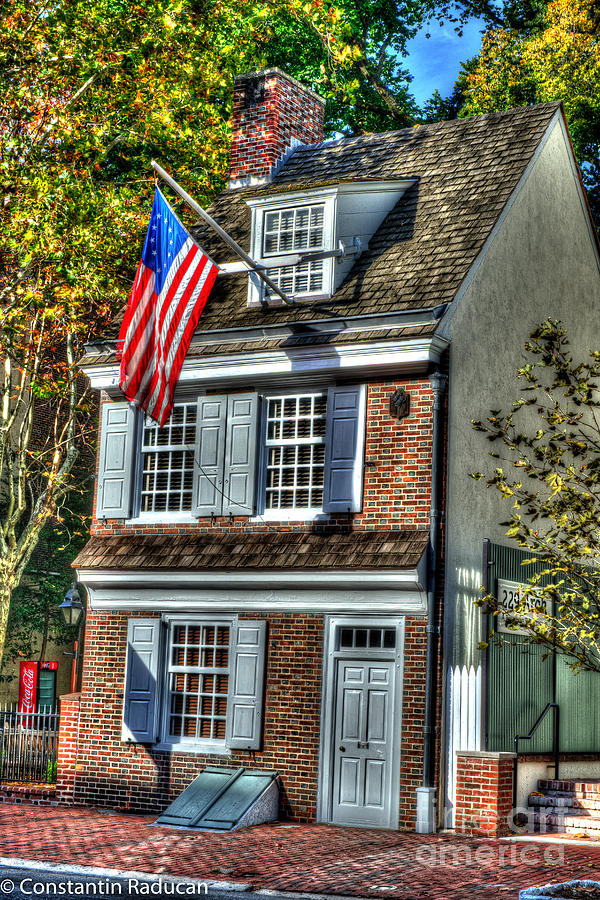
(291, 231)
(320, 230)
(291, 227)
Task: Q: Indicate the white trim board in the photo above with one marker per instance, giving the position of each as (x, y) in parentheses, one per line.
(400, 592)
(399, 357)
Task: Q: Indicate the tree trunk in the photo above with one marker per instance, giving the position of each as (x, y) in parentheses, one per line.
(7, 585)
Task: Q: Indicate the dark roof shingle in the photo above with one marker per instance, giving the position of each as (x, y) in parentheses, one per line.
(272, 550)
(465, 171)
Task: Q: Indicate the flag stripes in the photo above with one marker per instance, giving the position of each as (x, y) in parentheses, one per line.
(171, 287)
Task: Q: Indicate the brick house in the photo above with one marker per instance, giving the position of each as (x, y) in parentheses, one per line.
(267, 574)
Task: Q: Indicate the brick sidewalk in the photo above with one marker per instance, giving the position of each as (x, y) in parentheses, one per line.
(309, 858)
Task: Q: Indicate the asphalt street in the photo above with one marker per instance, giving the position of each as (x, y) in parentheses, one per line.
(24, 884)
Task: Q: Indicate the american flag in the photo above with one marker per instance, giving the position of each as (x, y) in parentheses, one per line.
(172, 284)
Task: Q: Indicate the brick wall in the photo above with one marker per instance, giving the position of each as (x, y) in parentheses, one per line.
(397, 474)
(483, 792)
(397, 480)
(68, 746)
(112, 773)
(135, 776)
(270, 110)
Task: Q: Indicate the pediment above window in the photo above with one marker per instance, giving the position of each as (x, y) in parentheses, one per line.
(308, 239)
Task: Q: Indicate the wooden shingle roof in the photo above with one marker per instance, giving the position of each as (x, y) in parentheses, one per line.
(271, 550)
(465, 171)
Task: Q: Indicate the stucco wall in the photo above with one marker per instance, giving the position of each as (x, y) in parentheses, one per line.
(541, 262)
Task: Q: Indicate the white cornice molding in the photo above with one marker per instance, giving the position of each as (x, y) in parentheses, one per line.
(401, 591)
(402, 357)
(307, 193)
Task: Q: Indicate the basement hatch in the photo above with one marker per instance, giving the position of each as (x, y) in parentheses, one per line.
(225, 800)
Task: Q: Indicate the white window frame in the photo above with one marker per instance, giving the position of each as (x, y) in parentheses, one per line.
(158, 515)
(171, 742)
(277, 275)
(297, 513)
(260, 207)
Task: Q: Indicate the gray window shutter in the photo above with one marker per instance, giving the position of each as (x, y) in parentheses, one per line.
(209, 456)
(246, 686)
(140, 707)
(241, 455)
(115, 474)
(344, 449)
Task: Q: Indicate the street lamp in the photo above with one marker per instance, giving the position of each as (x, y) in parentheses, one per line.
(71, 608)
(73, 613)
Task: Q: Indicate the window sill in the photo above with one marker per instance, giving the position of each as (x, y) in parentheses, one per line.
(161, 519)
(298, 299)
(290, 515)
(207, 749)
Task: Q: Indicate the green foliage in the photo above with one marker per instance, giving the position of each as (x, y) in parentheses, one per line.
(548, 452)
(90, 93)
(34, 615)
(535, 52)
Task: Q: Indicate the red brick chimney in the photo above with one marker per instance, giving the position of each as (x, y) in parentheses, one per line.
(272, 113)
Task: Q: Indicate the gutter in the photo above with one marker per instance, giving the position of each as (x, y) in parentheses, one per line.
(399, 319)
(426, 813)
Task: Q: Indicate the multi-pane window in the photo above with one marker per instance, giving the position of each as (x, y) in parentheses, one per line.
(168, 461)
(293, 231)
(295, 451)
(367, 638)
(198, 682)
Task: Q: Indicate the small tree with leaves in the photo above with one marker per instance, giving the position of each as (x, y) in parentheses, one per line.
(547, 449)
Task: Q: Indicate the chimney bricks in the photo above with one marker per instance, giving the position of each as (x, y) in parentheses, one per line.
(272, 113)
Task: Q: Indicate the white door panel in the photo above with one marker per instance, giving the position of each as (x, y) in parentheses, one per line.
(363, 751)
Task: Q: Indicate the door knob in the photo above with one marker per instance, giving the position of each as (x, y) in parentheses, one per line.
(343, 749)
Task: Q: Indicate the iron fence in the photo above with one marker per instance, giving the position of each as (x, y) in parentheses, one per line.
(28, 745)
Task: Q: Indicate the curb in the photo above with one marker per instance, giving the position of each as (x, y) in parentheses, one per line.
(97, 872)
(71, 869)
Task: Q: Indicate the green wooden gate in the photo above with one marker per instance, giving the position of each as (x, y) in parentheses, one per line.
(520, 682)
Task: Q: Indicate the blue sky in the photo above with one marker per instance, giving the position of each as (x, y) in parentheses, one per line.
(435, 61)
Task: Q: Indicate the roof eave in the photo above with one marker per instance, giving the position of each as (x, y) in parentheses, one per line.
(356, 360)
(399, 591)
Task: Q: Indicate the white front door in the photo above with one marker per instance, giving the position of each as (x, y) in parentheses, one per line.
(363, 742)
(362, 725)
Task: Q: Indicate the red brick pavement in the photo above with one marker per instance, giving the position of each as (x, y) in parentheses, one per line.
(311, 858)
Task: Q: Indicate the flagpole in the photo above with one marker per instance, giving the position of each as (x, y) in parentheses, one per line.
(222, 234)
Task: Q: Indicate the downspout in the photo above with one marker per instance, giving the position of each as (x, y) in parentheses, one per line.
(426, 813)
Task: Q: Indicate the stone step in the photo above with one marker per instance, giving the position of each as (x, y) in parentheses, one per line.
(574, 821)
(589, 786)
(581, 795)
(565, 800)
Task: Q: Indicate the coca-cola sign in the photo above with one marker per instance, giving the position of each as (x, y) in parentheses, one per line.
(28, 687)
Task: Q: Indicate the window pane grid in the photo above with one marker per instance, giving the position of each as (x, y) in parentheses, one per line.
(290, 231)
(168, 461)
(295, 451)
(367, 638)
(198, 682)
